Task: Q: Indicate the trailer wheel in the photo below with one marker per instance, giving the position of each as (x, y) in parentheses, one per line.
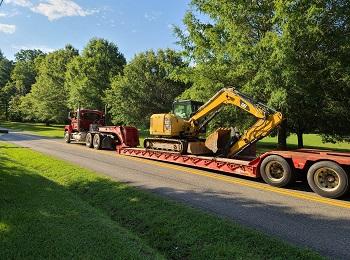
(97, 142)
(89, 140)
(66, 137)
(276, 171)
(328, 179)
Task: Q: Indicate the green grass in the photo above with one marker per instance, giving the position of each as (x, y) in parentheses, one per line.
(39, 218)
(55, 131)
(310, 141)
(50, 208)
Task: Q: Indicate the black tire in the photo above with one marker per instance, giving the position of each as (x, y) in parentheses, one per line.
(66, 137)
(276, 171)
(97, 142)
(328, 179)
(89, 140)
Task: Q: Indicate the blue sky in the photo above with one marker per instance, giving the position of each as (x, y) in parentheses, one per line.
(134, 25)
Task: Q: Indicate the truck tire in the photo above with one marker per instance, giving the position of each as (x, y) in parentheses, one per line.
(97, 142)
(276, 171)
(66, 137)
(89, 140)
(328, 179)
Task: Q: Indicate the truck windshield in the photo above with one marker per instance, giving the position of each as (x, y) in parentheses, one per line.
(91, 116)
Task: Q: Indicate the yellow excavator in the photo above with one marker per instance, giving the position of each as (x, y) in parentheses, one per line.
(180, 130)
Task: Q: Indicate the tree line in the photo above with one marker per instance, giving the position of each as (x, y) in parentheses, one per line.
(292, 55)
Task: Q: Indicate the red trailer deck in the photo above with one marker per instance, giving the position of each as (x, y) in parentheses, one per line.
(327, 171)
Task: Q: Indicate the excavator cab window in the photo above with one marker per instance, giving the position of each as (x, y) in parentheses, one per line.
(185, 108)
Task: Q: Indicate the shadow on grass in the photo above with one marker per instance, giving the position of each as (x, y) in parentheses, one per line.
(40, 219)
(183, 233)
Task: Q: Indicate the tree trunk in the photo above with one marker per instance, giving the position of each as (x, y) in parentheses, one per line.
(47, 123)
(6, 112)
(300, 139)
(282, 136)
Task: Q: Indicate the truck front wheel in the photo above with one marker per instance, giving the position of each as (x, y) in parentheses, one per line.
(89, 140)
(66, 137)
(276, 171)
(97, 142)
(328, 179)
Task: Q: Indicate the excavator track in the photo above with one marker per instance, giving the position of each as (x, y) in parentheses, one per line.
(166, 144)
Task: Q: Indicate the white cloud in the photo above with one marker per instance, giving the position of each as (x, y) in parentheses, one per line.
(23, 3)
(44, 48)
(7, 28)
(56, 9)
(11, 14)
(152, 16)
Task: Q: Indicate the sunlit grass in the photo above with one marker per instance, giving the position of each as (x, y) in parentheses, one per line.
(55, 131)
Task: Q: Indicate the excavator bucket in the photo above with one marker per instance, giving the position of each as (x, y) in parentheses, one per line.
(218, 140)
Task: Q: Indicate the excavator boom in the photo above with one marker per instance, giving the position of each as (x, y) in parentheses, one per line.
(268, 119)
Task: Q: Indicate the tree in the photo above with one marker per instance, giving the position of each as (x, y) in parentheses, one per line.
(291, 54)
(47, 100)
(24, 71)
(147, 86)
(89, 75)
(27, 55)
(6, 67)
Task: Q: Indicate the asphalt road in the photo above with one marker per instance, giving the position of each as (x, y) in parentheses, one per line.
(296, 214)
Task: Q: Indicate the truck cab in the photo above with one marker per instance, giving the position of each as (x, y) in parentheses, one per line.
(81, 122)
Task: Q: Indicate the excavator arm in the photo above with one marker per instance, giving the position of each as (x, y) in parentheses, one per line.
(268, 119)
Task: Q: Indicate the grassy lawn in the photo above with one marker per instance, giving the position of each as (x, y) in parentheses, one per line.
(55, 131)
(53, 209)
(39, 218)
(310, 141)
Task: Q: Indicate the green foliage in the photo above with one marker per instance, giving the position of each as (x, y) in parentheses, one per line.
(47, 100)
(27, 55)
(148, 86)
(291, 54)
(25, 71)
(21, 79)
(5, 70)
(6, 67)
(89, 75)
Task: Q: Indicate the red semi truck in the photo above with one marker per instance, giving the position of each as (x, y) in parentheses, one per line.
(89, 127)
(327, 171)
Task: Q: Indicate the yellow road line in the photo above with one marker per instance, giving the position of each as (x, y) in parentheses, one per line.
(235, 180)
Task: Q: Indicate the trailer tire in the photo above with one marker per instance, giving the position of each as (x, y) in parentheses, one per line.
(89, 140)
(97, 142)
(276, 171)
(66, 137)
(328, 179)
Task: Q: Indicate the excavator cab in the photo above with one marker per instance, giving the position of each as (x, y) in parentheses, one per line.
(185, 108)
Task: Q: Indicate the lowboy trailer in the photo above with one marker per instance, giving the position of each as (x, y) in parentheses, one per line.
(327, 171)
